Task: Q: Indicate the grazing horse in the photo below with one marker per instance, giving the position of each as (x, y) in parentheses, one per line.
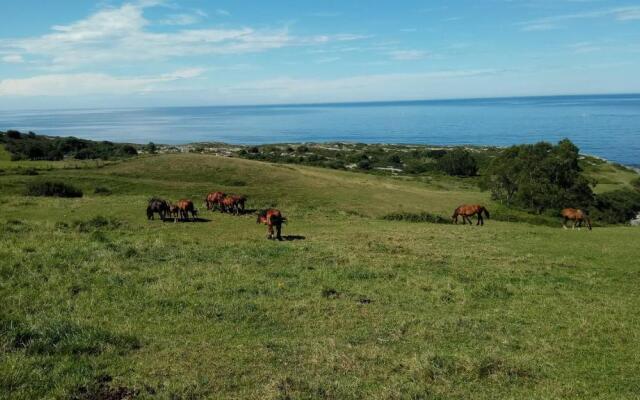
(467, 211)
(233, 204)
(213, 199)
(159, 206)
(228, 204)
(239, 203)
(272, 218)
(185, 207)
(174, 211)
(576, 215)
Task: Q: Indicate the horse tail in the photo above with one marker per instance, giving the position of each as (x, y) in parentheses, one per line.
(486, 212)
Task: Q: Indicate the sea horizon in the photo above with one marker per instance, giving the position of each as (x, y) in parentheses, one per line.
(603, 125)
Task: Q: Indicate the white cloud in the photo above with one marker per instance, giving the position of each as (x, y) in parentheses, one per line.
(122, 35)
(13, 59)
(90, 83)
(584, 48)
(182, 19)
(539, 27)
(408, 55)
(405, 85)
(222, 13)
(630, 13)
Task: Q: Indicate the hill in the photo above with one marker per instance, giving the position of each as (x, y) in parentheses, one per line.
(102, 302)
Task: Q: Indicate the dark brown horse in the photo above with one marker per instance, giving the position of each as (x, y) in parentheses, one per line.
(157, 206)
(272, 218)
(185, 207)
(174, 211)
(576, 215)
(467, 211)
(214, 199)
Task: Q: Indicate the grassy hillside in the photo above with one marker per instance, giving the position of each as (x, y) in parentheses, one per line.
(356, 307)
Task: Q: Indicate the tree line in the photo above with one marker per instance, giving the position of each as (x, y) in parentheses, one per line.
(30, 146)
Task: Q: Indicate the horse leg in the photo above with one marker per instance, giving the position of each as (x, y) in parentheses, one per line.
(480, 221)
(269, 231)
(279, 231)
(564, 223)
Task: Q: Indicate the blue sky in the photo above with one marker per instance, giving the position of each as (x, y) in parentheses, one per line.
(69, 53)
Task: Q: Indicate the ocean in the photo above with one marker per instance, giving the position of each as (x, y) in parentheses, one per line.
(607, 126)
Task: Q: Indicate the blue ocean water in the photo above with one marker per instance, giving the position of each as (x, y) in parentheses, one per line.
(606, 125)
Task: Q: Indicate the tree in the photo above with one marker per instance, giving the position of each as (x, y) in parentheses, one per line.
(151, 148)
(458, 162)
(539, 177)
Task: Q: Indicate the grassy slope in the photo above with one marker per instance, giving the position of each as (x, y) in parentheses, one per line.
(360, 308)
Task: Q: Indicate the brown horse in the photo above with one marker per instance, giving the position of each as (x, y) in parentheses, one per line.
(228, 204)
(467, 211)
(576, 215)
(239, 203)
(174, 211)
(185, 207)
(272, 218)
(213, 199)
(233, 204)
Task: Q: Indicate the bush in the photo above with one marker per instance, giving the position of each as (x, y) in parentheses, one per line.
(417, 217)
(102, 190)
(616, 207)
(52, 189)
(96, 222)
(458, 162)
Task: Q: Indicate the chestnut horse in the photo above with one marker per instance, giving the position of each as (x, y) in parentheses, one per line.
(213, 199)
(233, 204)
(185, 207)
(576, 215)
(467, 211)
(272, 218)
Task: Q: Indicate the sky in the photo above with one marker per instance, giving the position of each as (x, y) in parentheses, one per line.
(136, 53)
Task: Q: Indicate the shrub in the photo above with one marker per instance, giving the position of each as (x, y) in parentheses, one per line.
(458, 162)
(52, 189)
(364, 164)
(102, 190)
(615, 207)
(417, 217)
(29, 171)
(96, 222)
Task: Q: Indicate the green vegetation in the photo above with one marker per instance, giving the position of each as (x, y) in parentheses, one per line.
(29, 146)
(539, 177)
(458, 162)
(98, 302)
(408, 160)
(50, 188)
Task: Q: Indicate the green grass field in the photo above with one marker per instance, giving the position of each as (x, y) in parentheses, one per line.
(356, 307)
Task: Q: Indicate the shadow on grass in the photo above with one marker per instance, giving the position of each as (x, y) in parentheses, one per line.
(198, 219)
(291, 238)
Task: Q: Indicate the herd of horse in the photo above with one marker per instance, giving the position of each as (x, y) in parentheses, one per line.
(185, 210)
(273, 218)
(576, 215)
